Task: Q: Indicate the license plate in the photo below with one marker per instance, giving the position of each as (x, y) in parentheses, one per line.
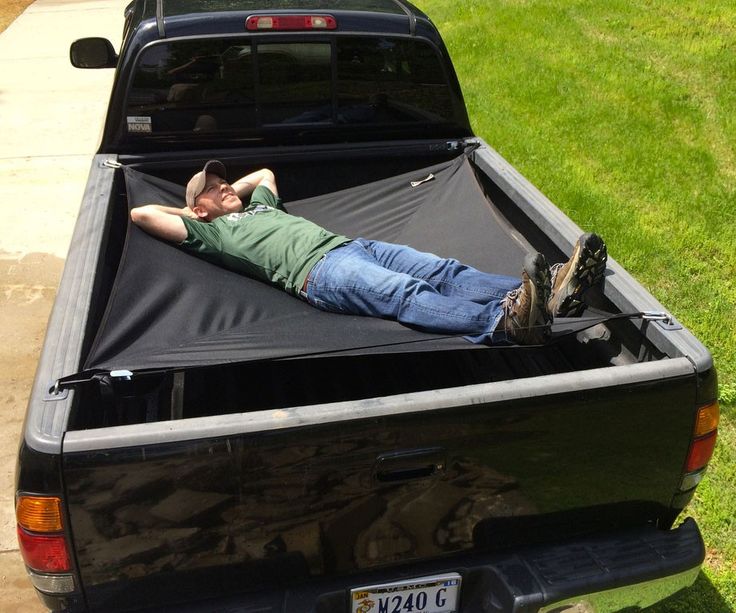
(436, 594)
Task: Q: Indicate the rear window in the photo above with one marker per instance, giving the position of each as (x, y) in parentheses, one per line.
(233, 88)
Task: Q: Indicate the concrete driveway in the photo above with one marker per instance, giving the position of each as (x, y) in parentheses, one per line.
(51, 116)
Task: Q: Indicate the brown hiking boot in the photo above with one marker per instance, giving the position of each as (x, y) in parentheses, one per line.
(571, 279)
(526, 319)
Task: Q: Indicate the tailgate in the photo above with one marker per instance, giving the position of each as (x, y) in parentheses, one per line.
(175, 511)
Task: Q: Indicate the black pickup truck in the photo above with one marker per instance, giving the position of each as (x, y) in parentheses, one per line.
(180, 454)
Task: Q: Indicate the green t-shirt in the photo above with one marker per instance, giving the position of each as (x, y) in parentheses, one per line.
(263, 242)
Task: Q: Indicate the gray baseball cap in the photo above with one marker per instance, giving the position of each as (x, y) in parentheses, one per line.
(196, 184)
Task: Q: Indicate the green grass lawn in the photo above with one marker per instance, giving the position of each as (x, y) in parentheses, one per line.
(624, 115)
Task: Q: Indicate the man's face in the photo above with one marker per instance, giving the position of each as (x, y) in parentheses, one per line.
(217, 199)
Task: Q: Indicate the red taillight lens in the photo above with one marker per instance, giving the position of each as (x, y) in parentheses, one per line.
(700, 453)
(44, 553)
(290, 22)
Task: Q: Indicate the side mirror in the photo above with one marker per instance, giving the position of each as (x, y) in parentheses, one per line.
(93, 53)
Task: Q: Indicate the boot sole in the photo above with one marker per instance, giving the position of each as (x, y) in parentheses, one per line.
(539, 318)
(589, 265)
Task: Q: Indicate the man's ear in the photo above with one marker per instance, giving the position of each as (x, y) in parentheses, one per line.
(200, 212)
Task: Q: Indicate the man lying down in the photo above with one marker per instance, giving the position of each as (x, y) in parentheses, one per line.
(366, 277)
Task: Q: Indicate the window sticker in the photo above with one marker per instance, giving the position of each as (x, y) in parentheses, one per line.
(139, 124)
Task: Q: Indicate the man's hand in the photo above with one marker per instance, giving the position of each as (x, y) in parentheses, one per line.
(162, 221)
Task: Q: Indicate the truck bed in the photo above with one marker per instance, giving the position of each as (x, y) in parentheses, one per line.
(218, 331)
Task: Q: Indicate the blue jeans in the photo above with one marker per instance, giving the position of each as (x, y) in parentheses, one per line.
(421, 290)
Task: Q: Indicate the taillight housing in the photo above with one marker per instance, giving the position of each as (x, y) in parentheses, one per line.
(701, 449)
(275, 23)
(42, 542)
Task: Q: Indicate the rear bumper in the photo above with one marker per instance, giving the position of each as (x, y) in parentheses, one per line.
(633, 568)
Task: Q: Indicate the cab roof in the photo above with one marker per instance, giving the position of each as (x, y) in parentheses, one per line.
(164, 11)
(149, 20)
(183, 7)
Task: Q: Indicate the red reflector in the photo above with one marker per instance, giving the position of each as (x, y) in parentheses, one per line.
(44, 553)
(700, 452)
(290, 22)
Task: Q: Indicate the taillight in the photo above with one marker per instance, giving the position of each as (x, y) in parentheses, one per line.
(290, 22)
(44, 553)
(701, 449)
(42, 542)
(700, 453)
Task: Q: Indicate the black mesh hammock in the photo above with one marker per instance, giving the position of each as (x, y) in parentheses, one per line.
(170, 310)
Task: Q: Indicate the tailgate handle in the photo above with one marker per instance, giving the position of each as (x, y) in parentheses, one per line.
(411, 464)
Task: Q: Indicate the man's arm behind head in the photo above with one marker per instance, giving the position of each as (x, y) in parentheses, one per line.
(245, 185)
(162, 221)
